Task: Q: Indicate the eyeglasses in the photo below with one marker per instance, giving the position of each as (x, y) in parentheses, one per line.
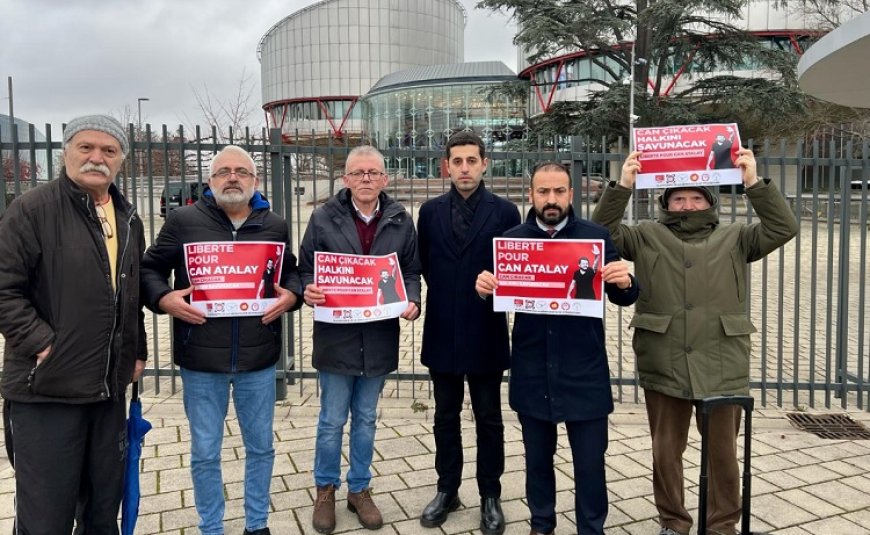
(225, 172)
(374, 175)
(104, 222)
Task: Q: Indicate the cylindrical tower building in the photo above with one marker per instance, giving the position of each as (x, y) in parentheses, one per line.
(317, 62)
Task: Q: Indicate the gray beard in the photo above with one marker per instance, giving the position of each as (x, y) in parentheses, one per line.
(232, 199)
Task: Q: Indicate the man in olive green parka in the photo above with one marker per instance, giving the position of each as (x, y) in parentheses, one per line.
(691, 331)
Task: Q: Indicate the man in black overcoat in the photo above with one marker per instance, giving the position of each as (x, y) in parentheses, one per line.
(463, 339)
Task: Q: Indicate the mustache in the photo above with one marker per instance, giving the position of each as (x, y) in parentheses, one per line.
(98, 167)
(551, 206)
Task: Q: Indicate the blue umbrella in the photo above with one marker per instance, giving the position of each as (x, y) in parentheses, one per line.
(137, 427)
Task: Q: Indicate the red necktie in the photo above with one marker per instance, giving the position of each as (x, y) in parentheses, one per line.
(551, 232)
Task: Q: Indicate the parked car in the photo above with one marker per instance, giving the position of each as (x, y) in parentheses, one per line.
(177, 194)
(591, 186)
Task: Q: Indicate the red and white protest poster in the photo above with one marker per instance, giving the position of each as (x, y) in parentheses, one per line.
(549, 276)
(233, 278)
(359, 288)
(687, 155)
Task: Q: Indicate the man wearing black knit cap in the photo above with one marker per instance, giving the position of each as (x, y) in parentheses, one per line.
(75, 336)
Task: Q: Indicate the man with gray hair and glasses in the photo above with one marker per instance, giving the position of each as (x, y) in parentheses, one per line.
(75, 336)
(218, 353)
(354, 358)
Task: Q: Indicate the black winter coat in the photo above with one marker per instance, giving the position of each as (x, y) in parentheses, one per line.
(369, 349)
(224, 345)
(56, 288)
(461, 333)
(559, 368)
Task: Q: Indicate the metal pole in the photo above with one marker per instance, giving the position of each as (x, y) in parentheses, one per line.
(631, 120)
(631, 116)
(139, 104)
(11, 112)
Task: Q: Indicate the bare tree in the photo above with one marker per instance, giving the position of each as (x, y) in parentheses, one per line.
(225, 114)
(827, 14)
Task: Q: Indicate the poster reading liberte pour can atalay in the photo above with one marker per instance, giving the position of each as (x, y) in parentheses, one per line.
(359, 288)
(687, 155)
(549, 276)
(233, 278)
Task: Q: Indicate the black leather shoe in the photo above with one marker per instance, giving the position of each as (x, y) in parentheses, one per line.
(436, 512)
(491, 517)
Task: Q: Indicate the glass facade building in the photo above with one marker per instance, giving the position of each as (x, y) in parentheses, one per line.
(422, 107)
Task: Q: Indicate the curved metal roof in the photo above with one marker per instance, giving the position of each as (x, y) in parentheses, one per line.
(831, 69)
(488, 71)
(317, 5)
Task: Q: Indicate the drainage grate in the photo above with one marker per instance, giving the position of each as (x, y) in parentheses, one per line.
(833, 426)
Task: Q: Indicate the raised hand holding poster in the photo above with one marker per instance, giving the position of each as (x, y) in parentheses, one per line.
(688, 155)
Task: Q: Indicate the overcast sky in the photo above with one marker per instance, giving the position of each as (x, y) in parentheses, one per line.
(72, 57)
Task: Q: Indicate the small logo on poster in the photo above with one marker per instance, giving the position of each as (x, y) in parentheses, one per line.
(367, 313)
(243, 307)
(554, 305)
(566, 306)
(336, 313)
(660, 178)
(694, 177)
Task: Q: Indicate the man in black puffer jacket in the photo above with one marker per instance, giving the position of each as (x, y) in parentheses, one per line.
(217, 352)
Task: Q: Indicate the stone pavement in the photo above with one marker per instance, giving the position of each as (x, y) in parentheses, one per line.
(802, 484)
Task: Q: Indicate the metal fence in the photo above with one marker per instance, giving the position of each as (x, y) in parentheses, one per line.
(808, 299)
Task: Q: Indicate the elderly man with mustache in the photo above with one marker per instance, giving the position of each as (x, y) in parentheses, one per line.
(75, 337)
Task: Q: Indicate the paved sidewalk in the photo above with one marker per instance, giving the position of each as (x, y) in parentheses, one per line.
(802, 484)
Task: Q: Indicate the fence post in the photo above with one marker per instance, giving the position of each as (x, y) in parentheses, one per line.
(842, 335)
(276, 163)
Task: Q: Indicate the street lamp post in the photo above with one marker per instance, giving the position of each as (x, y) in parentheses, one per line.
(632, 118)
(139, 128)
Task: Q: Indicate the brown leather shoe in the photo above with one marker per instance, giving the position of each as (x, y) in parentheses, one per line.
(323, 518)
(361, 503)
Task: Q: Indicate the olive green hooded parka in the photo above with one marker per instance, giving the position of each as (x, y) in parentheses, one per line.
(692, 332)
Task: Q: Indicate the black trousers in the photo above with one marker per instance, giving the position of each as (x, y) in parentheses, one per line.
(61, 451)
(588, 439)
(485, 390)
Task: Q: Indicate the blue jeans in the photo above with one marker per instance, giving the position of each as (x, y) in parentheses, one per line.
(340, 395)
(206, 398)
